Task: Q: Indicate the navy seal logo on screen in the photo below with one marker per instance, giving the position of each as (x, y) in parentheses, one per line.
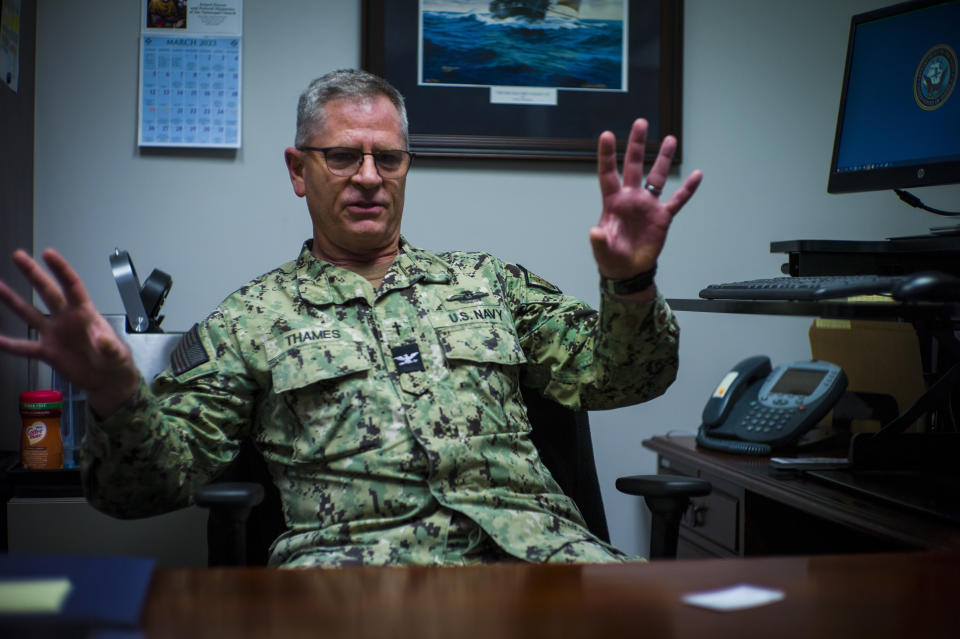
(935, 77)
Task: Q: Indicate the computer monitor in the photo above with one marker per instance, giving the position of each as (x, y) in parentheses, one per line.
(899, 119)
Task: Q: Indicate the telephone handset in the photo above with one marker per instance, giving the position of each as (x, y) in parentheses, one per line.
(756, 408)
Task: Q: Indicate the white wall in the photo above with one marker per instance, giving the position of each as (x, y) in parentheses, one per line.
(761, 82)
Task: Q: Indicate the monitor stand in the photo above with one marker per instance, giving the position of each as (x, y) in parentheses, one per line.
(934, 252)
(935, 232)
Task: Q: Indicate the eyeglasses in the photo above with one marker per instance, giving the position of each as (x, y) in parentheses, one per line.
(346, 162)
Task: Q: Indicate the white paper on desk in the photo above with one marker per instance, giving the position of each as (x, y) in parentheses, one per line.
(34, 595)
(734, 597)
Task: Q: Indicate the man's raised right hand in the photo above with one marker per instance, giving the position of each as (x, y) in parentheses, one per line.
(74, 338)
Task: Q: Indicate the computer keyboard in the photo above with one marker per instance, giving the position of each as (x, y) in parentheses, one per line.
(819, 287)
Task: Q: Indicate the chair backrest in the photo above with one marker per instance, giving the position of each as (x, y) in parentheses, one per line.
(561, 435)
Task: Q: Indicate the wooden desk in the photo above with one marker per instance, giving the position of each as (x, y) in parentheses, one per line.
(757, 510)
(880, 595)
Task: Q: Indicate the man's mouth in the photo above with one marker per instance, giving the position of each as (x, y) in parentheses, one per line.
(365, 206)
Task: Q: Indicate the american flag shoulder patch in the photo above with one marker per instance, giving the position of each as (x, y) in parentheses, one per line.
(189, 353)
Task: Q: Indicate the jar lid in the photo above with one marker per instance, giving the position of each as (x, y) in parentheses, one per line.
(33, 398)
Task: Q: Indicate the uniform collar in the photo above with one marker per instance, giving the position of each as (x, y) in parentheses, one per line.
(321, 283)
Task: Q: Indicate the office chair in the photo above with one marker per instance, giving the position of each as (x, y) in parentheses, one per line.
(246, 515)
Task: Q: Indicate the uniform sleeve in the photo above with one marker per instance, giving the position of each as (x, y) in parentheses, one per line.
(176, 434)
(624, 354)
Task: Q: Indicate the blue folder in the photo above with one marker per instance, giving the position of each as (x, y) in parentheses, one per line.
(108, 594)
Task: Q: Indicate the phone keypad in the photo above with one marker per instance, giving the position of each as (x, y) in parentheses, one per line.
(765, 419)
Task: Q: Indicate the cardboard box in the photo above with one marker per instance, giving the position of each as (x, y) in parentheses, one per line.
(878, 357)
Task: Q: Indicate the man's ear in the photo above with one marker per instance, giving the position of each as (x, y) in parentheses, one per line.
(294, 159)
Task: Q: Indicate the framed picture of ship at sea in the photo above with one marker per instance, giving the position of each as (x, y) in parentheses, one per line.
(528, 78)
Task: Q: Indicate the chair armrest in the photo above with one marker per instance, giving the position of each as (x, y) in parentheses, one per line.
(233, 496)
(667, 497)
(230, 504)
(668, 486)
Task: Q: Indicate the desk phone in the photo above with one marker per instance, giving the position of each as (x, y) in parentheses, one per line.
(756, 409)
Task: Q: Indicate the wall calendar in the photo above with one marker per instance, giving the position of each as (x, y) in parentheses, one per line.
(190, 74)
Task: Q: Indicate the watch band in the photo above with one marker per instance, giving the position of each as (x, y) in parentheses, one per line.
(635, 284)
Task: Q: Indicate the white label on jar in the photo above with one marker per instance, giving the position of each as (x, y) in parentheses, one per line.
(36, 432)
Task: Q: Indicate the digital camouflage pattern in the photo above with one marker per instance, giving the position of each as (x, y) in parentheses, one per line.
(391, 420)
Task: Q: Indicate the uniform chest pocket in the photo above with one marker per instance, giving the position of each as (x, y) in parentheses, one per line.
(319, 385)
(484, 360)
(481, 342)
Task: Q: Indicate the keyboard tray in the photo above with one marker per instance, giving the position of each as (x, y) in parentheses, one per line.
(805, 288)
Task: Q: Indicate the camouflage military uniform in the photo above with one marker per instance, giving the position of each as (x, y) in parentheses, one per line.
(391, 420)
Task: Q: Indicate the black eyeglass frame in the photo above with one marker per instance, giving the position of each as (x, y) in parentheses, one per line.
(363, 154)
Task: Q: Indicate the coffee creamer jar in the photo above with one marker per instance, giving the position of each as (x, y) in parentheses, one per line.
(41, 446)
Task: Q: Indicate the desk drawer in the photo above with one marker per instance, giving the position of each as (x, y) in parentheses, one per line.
(714, 518)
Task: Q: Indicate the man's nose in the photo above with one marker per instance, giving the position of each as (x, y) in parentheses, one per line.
(367, 174)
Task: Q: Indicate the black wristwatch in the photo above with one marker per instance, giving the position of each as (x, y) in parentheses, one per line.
(635, 284)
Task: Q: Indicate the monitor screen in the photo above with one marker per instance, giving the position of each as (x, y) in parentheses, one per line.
(899, 119)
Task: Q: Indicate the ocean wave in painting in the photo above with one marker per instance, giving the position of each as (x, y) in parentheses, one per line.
(467, 48)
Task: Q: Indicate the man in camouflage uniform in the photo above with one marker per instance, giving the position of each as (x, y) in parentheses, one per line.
(380, 382)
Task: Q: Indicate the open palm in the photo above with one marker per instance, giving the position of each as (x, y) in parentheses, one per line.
(74, 338)
(633, 224)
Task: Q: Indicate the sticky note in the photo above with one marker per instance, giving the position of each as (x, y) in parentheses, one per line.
(33, 596)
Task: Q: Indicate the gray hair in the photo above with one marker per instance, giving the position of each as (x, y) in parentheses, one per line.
(343, 84)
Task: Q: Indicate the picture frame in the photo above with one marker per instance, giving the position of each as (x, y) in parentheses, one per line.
(463, 118)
